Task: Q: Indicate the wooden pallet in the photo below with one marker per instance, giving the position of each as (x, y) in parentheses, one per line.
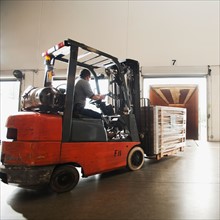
(170, 152)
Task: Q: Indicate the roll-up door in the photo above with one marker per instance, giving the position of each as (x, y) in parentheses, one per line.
(212, 73)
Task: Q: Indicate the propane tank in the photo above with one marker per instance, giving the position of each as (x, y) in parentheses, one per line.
(42, 99)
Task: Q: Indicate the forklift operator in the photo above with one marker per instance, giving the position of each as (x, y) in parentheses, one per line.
(82, 91)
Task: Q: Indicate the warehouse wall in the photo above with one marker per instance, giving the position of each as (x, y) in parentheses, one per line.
(213, 99)
(152, 32)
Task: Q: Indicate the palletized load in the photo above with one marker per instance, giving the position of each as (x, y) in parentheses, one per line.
(165, 132)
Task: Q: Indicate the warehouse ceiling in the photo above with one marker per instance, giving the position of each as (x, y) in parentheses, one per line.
(174, 94)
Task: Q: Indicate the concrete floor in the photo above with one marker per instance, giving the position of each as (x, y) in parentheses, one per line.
(182, 186)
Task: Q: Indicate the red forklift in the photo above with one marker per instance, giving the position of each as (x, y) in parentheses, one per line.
(47, 144)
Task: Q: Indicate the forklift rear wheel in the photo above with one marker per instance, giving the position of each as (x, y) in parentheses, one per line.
(135, 158)
(64, 179)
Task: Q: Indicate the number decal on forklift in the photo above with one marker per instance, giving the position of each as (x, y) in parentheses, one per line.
(117, 153)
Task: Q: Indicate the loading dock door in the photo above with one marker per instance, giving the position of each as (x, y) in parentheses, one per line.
(213, 90)
(184, 96)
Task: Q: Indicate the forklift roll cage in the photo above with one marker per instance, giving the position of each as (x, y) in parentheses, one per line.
(87, 57)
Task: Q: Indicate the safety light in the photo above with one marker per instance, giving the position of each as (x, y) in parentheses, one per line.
(47, 58)
(53, 49)
(60, 45)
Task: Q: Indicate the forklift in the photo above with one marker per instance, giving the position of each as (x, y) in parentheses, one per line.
(47, 145)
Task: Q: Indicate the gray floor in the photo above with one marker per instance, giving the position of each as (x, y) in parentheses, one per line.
(182, 186)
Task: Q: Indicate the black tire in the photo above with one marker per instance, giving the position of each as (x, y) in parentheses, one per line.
(135, 158)
(64, 178)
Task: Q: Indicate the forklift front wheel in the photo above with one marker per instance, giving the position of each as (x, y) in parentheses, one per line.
(64, 178)
(135, 158)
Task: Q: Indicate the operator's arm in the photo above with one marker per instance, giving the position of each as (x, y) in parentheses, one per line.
(89, 93)
(97, 97)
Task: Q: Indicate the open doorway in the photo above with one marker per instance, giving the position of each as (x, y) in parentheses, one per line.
(190, 93)
(9, 101)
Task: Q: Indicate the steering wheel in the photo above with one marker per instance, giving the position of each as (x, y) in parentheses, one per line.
(98, 102)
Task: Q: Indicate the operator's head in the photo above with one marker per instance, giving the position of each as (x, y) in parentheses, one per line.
(85, 73)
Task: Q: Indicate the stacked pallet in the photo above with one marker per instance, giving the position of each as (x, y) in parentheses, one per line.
(169, 126)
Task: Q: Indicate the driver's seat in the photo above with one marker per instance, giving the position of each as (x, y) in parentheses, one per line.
(80, 112)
